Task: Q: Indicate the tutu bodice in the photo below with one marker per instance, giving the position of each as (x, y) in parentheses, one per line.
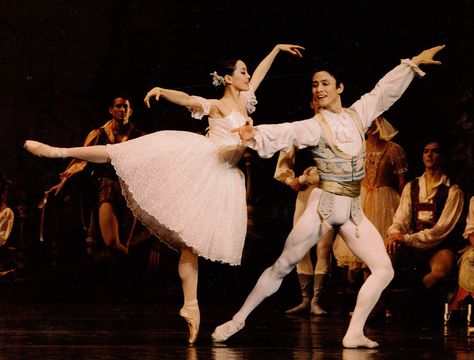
(230, 148)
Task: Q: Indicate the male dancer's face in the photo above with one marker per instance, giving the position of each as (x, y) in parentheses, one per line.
(432, 158)
(121, 111)
(326, 91)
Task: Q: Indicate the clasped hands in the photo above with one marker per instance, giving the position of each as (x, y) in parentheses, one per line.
(246, 131)
(393, 242)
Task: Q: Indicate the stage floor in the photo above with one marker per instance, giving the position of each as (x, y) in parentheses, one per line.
(48, 330)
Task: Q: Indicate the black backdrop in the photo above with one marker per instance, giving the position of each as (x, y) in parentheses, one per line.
(61, 60)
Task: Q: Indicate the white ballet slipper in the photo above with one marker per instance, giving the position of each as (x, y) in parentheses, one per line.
(226, 330)
(358, 342)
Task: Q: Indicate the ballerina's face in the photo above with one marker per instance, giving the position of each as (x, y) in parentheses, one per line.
(240, 78)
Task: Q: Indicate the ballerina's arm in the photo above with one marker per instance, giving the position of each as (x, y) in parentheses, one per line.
(267, 62)
(174, 96)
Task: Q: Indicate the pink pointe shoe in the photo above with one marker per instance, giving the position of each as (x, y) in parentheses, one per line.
(43, 150)
(190, 313)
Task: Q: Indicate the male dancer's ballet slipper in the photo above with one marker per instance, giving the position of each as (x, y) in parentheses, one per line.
(43, 150)
(190, 313)
(226, 330)
(362, 341)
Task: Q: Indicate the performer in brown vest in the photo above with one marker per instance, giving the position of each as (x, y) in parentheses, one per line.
(110, 200)
(422, 229)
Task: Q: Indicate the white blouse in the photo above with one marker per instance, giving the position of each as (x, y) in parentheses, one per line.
(428, 238)
(470, 220)
(271, 138)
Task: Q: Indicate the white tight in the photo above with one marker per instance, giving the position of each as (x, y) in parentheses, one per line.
(369, 247)
(324, 246)
(188, 272)
(95, 154)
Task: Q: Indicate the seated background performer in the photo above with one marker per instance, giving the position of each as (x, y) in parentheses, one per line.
(422, 230)
(312, 278)
(336, 136)
(466, 263)
(7, 217)
(110, 201)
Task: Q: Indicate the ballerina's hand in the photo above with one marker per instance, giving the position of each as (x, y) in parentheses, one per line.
(155, 92)
(426, 56)
(246, 132)
(292, 49)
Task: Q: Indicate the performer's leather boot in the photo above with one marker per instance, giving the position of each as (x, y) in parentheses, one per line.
(306, 284)
(319, 283)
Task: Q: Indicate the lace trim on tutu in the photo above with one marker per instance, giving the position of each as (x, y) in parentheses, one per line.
(167, 236)
(200, 113)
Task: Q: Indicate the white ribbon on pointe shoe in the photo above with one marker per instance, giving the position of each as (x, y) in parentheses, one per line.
(42, 150)
(353, 343)
(226, 330)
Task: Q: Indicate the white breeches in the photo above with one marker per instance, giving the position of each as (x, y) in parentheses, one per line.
(369, 247)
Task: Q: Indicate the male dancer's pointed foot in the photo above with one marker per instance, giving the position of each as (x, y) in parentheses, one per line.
(226, 330)
(42, 150)
(359, 341)
(191, 314)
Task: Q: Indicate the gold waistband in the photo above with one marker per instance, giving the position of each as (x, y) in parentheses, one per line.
(347, 188)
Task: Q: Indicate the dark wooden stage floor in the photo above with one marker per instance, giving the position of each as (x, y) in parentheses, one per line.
(112, 312)
(49, 330)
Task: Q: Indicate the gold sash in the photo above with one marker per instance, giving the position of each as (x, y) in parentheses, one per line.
(346, 188)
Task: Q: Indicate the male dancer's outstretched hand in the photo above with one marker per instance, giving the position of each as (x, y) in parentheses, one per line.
(426, 56)
(246, 132)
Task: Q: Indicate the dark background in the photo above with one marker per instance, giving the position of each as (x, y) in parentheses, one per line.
(61, 61)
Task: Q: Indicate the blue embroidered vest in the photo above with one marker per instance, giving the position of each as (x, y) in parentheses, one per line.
(332, 163)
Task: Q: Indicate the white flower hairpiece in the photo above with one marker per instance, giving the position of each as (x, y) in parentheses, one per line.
(217, 79)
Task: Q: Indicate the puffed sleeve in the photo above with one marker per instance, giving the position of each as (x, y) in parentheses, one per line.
(203, 110)
(470, 220)
(402, 218)
(398, 158)
(284, 169)
(249, 100)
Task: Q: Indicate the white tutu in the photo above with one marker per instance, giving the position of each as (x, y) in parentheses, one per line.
(186, 187)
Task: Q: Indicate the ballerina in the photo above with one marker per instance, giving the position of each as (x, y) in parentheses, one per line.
(185, 187)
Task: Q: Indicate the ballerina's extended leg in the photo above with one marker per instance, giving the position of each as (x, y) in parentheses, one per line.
(96, 154)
